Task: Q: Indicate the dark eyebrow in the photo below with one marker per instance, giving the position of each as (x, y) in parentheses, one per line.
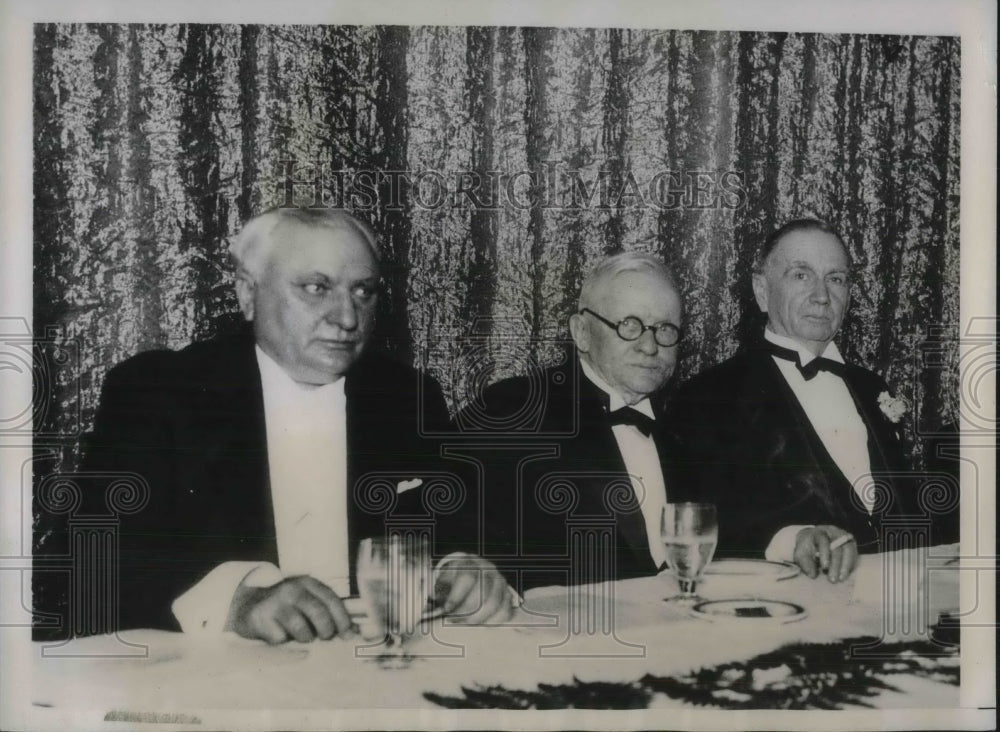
(312, 277)
(371, 282)
(318, 275)
(799, 264)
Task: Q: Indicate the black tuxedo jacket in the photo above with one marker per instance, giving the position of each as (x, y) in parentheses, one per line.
(748, 445)
(191, 423)
(552, 471)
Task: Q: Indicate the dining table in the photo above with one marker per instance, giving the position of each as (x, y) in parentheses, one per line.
(760, 636)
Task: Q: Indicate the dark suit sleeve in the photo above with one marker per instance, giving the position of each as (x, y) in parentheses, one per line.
(437, 418)
(488, 509)
(132, 440)
(511, 528)
(699, 468)
(716, 464)
(908, 482)
(942, 453)
(421, 436)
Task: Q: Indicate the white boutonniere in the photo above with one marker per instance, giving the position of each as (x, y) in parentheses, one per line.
(892, 407)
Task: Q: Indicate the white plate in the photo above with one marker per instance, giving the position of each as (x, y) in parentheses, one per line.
(757, 568)
(749, 611)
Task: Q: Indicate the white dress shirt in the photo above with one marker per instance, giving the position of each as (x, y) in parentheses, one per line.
(307, 461)
(830, 408)
(642, 461)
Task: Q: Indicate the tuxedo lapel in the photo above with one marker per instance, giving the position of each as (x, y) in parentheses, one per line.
(837, 488)
(600, 443)
(803, 445)
(225, 462)
(864, 401)
(875, 423)
(383, 415)
(367, 431)
(881, 437)
(789, 415)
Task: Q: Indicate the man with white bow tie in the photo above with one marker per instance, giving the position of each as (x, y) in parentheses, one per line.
(786, 437)
(599, 415)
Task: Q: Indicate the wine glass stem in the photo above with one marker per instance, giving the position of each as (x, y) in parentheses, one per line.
(687, 587)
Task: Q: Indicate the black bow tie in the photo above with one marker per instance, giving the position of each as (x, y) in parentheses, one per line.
(628, 415)
(812, 368)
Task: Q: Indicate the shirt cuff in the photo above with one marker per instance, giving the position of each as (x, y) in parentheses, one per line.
(205, 607)
(515, 599)
(782, 546)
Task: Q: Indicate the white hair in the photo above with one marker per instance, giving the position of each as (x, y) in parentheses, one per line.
(256, 242)
(609, 268)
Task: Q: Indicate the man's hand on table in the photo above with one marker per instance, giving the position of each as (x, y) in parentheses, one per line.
(826, 549)
(471, 590)
(297, 608)
(466, 587)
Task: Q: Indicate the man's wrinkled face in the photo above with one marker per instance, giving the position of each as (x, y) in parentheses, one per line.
(635, 369)
(313, 304)
(805, 288)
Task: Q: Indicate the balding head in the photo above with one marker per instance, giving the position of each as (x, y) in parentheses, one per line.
(257, 242)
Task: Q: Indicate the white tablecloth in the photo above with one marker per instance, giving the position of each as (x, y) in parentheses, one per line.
(636, 633)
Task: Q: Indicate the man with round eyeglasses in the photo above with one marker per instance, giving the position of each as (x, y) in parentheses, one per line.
(608, 446)
(631, 328)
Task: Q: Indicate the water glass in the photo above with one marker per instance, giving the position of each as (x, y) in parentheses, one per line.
(690, 532)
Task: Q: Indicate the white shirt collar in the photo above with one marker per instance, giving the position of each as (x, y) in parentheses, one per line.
(275, 380)
(615, 400)
(805, 355)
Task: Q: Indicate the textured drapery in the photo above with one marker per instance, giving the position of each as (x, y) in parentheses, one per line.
(528, 154)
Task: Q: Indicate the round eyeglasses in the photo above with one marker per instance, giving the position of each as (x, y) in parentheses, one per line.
(631, 328)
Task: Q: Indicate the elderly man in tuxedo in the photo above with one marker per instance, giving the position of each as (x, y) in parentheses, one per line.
(591, 457)
(785, 436)
(253, 447)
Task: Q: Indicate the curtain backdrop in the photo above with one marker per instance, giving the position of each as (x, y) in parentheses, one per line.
(523, 155)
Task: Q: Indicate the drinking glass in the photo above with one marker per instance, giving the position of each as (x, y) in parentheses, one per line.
(689, 532)
(394, 579)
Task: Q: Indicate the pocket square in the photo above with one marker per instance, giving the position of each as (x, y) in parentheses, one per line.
(405, 485)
